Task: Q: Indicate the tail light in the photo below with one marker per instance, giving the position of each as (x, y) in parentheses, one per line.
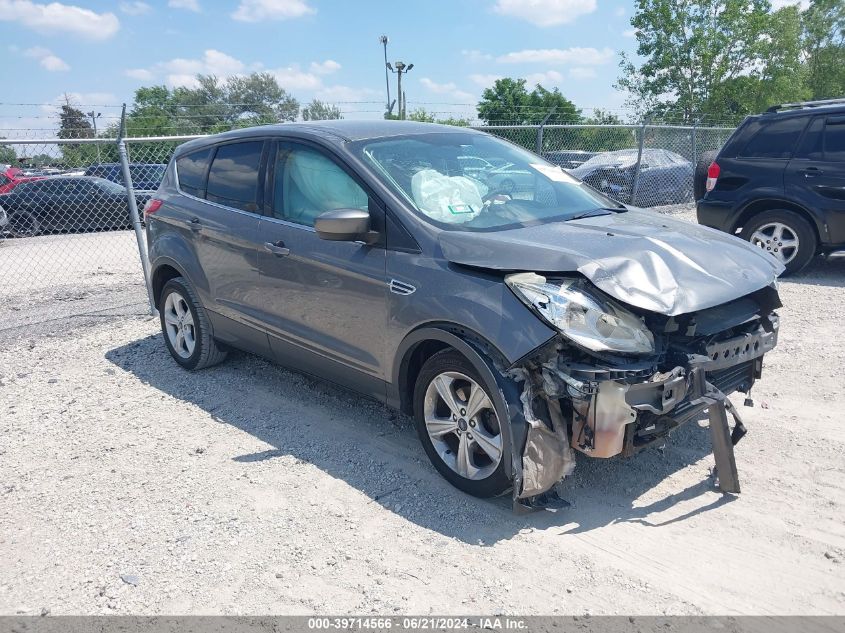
(712, 176)
(153, 205)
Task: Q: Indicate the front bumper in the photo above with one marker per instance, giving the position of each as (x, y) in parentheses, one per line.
(605, 411)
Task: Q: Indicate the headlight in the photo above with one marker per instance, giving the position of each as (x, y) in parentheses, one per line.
(594, 322)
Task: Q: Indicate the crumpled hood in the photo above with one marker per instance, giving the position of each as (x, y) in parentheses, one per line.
(641, 258)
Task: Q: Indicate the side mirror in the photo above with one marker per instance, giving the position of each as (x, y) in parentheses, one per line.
(345, 225)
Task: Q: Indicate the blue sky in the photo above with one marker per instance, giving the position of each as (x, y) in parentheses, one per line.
(101, 51)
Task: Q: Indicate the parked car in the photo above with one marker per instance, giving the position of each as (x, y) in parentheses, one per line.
(145, 176)
(778, 182)
(514, 330)
(665, 177)
(67, 204)
(510, 179)
(4, 218)
(568, 158)
(11, 178)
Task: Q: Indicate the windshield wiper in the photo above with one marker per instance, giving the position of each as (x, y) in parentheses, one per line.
(594, 213)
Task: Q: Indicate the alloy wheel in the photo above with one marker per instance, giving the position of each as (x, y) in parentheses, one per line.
(179, 325)
(462, 425)
(778, 239)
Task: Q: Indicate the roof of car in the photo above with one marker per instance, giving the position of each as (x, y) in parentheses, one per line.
(340, 130)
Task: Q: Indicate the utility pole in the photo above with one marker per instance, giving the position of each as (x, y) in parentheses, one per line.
(389, 108)
(400, 69)
(94, 116)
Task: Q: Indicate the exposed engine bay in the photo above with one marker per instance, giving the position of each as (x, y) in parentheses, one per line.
(608, 404)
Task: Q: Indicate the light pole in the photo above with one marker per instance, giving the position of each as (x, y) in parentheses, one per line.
(383, 39)
(400, 69)
(94, 116)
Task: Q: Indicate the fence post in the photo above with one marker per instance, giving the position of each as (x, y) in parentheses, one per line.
(636, 185)
(538, 148)
(133, 210)
(694, 152)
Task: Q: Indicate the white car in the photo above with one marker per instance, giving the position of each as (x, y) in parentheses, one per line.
(4, 219)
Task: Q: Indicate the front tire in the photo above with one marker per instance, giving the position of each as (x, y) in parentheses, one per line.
(784, 234)
(185, 326)
(23, 224)
(458, 425)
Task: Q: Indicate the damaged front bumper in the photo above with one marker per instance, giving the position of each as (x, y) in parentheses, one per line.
(604, 409)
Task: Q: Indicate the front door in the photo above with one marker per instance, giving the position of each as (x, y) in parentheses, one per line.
(325, 303)
(815, 176)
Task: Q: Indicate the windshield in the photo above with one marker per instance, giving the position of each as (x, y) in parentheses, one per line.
(506, 187)
(147, 173)
(108, 185)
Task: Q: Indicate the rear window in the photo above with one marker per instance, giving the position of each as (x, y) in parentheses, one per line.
(776, 139)
(191, 170)
(233, 178)
(834, 139)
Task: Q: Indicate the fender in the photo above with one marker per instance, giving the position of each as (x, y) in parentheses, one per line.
(505, 394)
(182, 257)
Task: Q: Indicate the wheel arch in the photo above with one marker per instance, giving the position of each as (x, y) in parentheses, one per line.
(756, 207)
(425, 341)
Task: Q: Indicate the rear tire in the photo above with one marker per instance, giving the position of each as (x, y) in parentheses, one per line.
(186, 328)
(785, 234)
(23, 224)
(462, 437)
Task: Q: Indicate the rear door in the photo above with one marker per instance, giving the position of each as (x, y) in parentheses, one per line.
(815, 177)
(221, 216)
(324, 303)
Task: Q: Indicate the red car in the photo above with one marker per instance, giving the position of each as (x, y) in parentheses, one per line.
(10, 178)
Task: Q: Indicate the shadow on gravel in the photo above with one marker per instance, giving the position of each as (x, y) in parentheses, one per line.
(820, 272)
(376, 451)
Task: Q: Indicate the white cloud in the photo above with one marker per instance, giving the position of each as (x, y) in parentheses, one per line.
(293, 78)
(60, 18)
(135, 8)
(485, 81)
(550, 77)
(476, 56)
(582, 56)
(582, 73)
(545, 12)
(325, 68)
(445, 89)
(46, 58)
(619, 12)
(258, 10)
(190, 5)
(142, 74)
(629, 33)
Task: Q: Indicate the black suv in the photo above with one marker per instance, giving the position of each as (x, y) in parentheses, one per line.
(779, 182)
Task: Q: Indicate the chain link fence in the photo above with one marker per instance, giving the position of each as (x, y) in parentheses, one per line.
(71, 236)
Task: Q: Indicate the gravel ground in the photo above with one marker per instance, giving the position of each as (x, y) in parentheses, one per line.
(130, 486)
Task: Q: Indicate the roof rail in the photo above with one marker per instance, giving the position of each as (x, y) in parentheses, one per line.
(806, 104)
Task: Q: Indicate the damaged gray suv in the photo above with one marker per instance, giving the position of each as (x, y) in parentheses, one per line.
(517, 323)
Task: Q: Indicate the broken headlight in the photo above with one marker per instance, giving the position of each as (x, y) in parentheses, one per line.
(588, 319)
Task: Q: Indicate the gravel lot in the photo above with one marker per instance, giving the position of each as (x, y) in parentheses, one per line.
(128, 485)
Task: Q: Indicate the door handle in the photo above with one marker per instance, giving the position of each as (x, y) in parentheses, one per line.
(278, 248)
(811, 172)
(195, 224)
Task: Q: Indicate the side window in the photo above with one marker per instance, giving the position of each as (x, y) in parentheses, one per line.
(775, 140)
(4, 180)
(191, 170)
(811, 144)
(308, 183)
(834, 140)
(233, 177)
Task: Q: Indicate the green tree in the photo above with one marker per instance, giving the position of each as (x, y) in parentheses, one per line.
(714, 58)
(320, 111)
(509, 102)
(74, 124)
(824, 47)
(8, 156)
